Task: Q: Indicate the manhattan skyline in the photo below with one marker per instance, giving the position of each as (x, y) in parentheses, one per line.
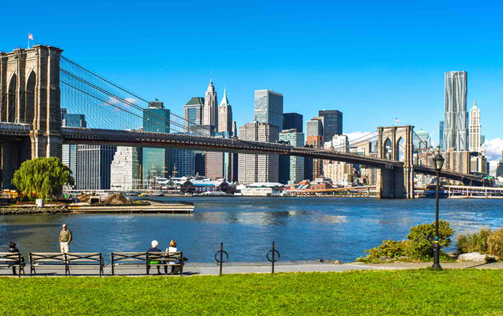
(373, 62)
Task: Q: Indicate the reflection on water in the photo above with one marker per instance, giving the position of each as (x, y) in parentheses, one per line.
(303, 228)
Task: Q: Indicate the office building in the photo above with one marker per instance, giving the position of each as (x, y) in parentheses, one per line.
(94, 166)
(291, 168)
(340, 143)
(315, 141)
(293, 121)
(155, 161)
(475, 143)
(441, 135)
(225, 115)
(421, 140)
(269, 108)
(193, 112)
(69, 151)
(210, 111)
(258, 168)
(332, 123)
(125, 169)
(455, 115)
(181, 163)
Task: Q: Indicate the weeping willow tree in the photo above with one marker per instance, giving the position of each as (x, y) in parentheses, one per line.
(42, 177)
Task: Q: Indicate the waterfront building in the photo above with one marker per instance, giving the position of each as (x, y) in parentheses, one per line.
(94, 166)
(479, 164)
(341, 173)
(181, 163)
(125, 169)
(199, 160)
(155, 161)
(475, 137)
(457, 161)
(69, 151)
(332, 123)
(269, 108)
(441, 135)
(455, 114)
(193, 112)
(258, 168)
(210, 111)
(293, 120)
(291, 168)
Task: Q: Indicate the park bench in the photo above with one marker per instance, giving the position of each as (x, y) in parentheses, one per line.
(165, 259)
(85, 260)
(44, 260)
(127, 260)
(144, 259)
(12, 259)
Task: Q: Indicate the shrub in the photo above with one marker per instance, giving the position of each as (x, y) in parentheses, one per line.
(475, 242)
(419, 244)
(495, 243)
(422, 237)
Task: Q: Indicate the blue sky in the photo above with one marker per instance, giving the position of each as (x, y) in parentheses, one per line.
(372, 60)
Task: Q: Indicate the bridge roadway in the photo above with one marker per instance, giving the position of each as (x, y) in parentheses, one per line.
(191, 142)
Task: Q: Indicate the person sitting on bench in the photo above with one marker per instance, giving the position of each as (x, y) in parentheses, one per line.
(154, 248)
(172, 248)
(12, 249)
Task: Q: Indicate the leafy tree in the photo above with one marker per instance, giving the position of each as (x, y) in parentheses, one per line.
(42, 177)
(423, 237)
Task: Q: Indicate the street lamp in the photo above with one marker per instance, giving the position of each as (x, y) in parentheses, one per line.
(438, 162)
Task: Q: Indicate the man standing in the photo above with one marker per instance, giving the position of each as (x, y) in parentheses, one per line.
(65, 237)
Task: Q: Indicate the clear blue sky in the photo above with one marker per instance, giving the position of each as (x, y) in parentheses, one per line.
(372, 60)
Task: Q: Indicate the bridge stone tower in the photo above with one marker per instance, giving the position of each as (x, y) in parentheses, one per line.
(30, 93)
(396, 143)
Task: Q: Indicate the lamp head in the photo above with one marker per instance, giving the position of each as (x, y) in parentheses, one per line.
(438, 161)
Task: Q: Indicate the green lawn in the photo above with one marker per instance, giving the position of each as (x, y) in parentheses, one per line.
(411, 292)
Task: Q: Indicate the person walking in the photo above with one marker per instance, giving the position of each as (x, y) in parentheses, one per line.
(65, 237)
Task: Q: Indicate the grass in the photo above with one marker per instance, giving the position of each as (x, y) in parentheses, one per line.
(408, 292)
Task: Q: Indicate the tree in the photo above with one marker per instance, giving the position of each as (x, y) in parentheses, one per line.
(42, 177)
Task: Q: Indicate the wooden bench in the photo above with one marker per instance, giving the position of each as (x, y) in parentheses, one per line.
(43, 260)
(140, 259)
(85, 260)
(12, 260)
(165, 259)
(127, 259)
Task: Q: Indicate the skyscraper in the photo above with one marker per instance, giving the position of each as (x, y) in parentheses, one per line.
(475, 137)
(193, 112)
(69, 151)
(225, 115)
(210, 111)
(293, 120)
(94, 166)
(258, 168)
(455, 115)
(269, 108)
(314, 139)
(332, 123)
(441, 135)
(155, 161)
(291, 168)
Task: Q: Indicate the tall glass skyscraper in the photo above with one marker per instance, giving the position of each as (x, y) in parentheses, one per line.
(291, 168)
(455, 114)
(155, 161)
(441, 135)
(69, 151)
(269, 108)
(332, 123)
(193, 112)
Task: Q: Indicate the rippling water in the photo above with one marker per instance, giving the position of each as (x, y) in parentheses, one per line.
(303, 228)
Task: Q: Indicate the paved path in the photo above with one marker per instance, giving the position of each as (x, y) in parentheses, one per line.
(246, 268)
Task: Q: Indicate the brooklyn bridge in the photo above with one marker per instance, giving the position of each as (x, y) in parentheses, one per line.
(36, 83)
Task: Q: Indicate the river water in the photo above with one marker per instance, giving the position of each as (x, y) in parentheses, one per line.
(302, 228)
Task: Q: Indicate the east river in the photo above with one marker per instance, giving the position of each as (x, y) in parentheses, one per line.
(302, 228)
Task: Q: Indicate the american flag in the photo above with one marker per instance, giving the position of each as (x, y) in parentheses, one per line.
(396, 120)
(30, 36)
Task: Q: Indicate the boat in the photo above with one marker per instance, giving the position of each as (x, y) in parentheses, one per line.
(431, 192)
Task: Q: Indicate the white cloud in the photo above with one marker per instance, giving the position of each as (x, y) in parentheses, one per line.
(360, 136)
(493, 149)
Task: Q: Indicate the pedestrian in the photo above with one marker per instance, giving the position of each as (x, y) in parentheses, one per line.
(65, 237)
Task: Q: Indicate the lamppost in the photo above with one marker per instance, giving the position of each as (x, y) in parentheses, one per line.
(438, 161)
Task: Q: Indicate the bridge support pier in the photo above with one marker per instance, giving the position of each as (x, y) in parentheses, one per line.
(12, 155)
(396, 143)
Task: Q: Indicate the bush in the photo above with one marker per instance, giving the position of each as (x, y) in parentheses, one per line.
(475, 242)
(418, 246)
(422, 238)
(485, 242)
